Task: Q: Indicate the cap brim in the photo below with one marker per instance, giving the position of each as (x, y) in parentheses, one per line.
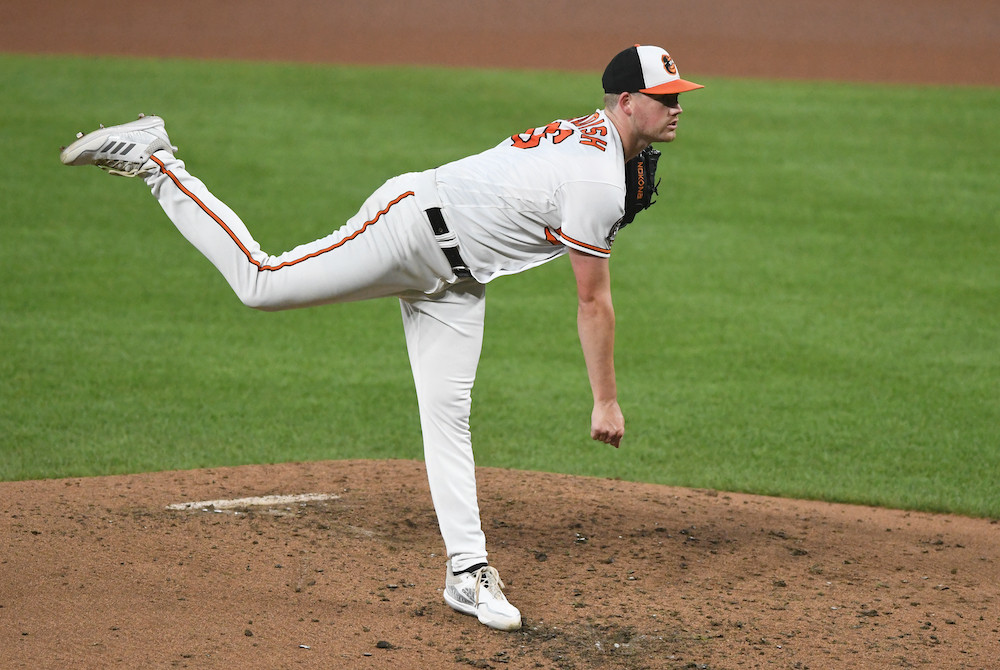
(675, 86)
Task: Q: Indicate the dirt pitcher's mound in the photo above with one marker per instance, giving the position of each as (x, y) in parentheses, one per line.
(128, 572)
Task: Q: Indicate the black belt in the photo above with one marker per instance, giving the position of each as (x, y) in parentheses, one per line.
(440, 229)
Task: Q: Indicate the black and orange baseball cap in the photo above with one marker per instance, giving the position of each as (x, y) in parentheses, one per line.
(645, 69)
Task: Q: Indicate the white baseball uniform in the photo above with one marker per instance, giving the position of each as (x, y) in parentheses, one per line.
(433, 239)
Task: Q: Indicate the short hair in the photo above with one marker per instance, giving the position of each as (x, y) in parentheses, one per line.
(611, 100)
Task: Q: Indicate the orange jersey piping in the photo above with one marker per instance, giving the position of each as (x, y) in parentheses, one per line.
(567, 238)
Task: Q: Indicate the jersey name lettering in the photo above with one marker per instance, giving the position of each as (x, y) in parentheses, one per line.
(590, 127)
(592, 130)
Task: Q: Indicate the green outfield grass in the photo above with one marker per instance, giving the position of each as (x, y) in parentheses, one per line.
(812, 309)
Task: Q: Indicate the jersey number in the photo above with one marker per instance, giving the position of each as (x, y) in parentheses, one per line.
(532, 137)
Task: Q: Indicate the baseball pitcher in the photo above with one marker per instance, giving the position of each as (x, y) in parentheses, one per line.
(434, 240)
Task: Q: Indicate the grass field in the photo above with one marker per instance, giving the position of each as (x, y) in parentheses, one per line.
(812, 308)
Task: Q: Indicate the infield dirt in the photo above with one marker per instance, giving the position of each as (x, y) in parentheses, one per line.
(99, 573)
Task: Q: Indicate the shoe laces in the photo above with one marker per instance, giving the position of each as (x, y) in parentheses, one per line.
(120, 164)
(489, 579)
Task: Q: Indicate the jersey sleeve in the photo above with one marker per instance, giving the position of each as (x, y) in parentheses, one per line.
(590, 212)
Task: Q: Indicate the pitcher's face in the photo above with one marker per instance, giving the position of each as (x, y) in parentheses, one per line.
(655, 116)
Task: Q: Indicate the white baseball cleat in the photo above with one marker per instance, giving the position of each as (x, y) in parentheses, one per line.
(480, 594)
(121, 150)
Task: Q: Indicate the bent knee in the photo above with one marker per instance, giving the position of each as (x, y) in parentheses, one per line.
(259, 301)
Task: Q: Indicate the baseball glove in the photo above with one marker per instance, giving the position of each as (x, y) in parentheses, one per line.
(640, 183)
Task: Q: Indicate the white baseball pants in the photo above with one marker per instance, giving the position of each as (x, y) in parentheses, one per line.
(386, 249)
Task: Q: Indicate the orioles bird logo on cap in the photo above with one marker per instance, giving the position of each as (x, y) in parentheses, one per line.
(668, 64)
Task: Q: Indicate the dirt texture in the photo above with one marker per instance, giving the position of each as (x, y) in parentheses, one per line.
(99, 573)
(102, 573)
(914, 41)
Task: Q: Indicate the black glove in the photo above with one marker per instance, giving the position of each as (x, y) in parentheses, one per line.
(640, 183)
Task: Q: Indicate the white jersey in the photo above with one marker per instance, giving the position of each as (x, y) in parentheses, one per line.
(537, 193)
